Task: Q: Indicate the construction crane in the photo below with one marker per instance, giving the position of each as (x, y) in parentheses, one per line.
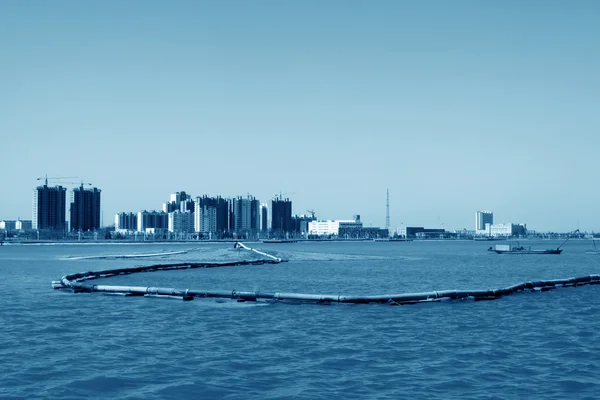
(80, 183)
(312, 213)
(77, 183)
(45, 178)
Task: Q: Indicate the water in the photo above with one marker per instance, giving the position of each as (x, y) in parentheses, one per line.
(55, 344)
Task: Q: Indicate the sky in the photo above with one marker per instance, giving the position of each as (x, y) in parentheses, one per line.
(454, 106)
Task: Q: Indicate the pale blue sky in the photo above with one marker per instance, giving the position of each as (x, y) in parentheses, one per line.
(454, 106)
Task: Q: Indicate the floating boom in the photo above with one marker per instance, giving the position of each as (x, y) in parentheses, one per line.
(78, 283)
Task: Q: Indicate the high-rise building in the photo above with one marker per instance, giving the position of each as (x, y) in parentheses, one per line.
(152, 220)
(181, 222)
(300, 223)
(246, 216)
(180, 201)
(211, 216)
(483, 218)
(264, 217)
(49, 207)
(180, 210)
(281, 216)
(85, 209)
(126, 221)
(205, 219)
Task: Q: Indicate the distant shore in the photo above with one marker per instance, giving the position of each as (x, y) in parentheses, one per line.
(226, 241)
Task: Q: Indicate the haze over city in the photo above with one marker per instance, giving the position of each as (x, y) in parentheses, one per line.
(453, 106)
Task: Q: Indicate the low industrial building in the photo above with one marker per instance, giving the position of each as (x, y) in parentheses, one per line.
(365, 232)
(496, 230)
(7, 225)
(329, 227)
(24, 225)
(412, 232)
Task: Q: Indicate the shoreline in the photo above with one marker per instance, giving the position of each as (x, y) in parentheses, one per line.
(228, 241)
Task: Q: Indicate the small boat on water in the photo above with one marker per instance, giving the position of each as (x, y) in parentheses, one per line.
(517, 249)
(510, 249)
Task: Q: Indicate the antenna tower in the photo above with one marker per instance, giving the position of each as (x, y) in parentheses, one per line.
(387, 210)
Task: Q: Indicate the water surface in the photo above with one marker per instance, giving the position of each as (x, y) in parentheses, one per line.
(55, 344)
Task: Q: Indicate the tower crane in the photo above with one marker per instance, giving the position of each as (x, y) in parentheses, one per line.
(78, 183)
(312, 213)
(55, 178)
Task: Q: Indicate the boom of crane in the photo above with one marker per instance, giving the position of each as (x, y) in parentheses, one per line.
(59, 180)
(55, 178)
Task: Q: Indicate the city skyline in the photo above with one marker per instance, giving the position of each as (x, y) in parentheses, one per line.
(182, 202)
(452, 106)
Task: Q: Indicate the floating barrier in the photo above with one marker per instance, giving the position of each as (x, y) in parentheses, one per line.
(110, 257)
(78, 284)
(243, 246)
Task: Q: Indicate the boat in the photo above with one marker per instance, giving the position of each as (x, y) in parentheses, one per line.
(510, 249)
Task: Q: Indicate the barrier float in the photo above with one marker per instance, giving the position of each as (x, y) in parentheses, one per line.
(78, 283)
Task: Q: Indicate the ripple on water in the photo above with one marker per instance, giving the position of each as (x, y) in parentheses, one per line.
(541, 345)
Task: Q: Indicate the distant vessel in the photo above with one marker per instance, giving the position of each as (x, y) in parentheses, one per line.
(278, 241)
(510, 249)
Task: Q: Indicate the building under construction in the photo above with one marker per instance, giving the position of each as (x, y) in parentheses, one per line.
(85, 209)
(49, 207)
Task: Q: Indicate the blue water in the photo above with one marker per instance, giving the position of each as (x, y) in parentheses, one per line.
(56, 344)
